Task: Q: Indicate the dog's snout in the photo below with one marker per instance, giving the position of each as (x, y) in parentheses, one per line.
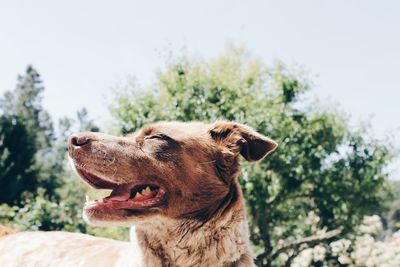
(79, 141)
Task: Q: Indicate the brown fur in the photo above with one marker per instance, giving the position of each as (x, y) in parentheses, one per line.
(202, 221)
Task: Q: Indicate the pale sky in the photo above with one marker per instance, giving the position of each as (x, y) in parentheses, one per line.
(83, 48)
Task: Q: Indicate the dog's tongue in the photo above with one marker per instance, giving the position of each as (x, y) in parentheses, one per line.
(120, 193)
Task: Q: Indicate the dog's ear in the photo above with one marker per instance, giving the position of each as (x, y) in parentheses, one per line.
(239, 138)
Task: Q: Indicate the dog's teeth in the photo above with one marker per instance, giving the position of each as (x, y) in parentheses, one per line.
(138, 195)
(146, 191)
(87, 198)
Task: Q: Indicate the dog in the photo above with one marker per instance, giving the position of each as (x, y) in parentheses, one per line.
(174, 183)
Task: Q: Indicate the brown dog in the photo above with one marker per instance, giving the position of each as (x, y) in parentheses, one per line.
(174, 183)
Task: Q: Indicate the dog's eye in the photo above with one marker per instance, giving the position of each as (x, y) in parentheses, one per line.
(156, 136)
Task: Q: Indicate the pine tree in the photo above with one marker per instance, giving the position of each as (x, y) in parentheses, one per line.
(16, 160)
(28, 140)
(25, 102)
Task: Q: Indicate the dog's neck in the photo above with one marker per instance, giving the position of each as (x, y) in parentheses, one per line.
(221, 241)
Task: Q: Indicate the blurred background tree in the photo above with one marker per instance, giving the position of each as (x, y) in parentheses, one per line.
(17, 153)
(25, 102)
(37, 189)
(321, 165)
(33, 134)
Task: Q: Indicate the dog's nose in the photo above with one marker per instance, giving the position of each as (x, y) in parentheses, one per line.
(79, 140)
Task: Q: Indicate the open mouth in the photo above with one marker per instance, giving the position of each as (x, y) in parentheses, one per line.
(128, 197)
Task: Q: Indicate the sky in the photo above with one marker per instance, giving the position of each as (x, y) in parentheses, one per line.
(82, 49)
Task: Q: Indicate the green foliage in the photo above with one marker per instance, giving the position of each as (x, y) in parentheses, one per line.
(85, 123)
(32, 164)
(391, 216)
(16, 159)
(25, 103)
(39, 213)
(320, 165)
(30, 136)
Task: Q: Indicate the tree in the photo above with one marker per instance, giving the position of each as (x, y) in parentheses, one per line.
(34, 136)
(84, 122)
(25, 102)
(391, 217)
(37, 192)
(16, 160)
(321, 165)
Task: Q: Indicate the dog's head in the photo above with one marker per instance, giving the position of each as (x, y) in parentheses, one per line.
(172, 169)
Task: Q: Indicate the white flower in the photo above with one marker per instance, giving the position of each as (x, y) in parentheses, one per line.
(366, 249)
(283, 257)
(371, 225)
(343, 259)
(312, 218)
(304, 259)
(340, 246)
(369, 252)
(319, 253)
